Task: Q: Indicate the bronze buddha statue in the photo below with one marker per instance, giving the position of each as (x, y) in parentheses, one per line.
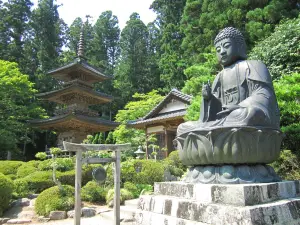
(238, 131)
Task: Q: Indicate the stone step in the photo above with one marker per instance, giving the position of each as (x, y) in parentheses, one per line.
(150, 218)
(278, 212)
(126, 212)
(132, 202)
(233, 194)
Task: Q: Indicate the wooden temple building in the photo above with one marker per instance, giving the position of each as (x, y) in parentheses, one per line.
(74, 120)
(163, 121)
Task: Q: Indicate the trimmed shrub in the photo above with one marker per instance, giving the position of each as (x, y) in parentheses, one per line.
(287, 166)
(145, 189)
(10, 167)
(93, 192)
(63, 164)
(174, 164)
(25, 170)
(124, 195)
(6, 189)
(132, 188)
(66, 178)
(34, 163)
(12, 176)
(138, 171)
(54, 199)
(21, 188)
(39, 181)
(151, 172)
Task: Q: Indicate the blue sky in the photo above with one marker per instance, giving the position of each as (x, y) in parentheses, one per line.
(72, 9)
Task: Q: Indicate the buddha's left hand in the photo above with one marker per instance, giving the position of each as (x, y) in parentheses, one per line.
(227, 109)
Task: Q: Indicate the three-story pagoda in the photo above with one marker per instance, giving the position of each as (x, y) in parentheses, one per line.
(75, 121)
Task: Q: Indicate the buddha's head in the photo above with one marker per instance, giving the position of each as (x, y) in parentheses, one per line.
(230, 45)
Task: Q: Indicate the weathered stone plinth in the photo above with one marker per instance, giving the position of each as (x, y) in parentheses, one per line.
(187, 204)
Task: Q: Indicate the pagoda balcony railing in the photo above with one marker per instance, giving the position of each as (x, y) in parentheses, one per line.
(79, 82)
(76, 110)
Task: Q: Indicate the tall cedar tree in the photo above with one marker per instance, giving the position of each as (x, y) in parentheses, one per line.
(15, 15)
(131, 74)
(104, 54)
(49, 37)
(203, 19)
(171, 63)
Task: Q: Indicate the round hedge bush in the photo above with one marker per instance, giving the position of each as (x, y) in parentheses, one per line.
(39, 181)
(10, 167)
(124, 195)
(21, 189)
(132, 188)
(63, 164)
(25, 170)
(53, 199)
(6, 190)
(93, 192)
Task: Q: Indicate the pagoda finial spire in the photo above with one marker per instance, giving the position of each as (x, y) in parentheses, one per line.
(80, 52)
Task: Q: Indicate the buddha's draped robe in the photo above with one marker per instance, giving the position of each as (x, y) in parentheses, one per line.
(246, 83)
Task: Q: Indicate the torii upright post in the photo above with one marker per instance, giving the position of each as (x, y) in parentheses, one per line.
(79, 148)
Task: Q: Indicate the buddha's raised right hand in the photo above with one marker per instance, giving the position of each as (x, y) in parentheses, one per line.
(206, 91)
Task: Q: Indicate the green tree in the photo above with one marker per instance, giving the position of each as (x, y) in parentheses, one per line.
(287, 90)
(105, 44)
(133, 110)
(171, 63)
(203, 19)
(49, 37)
(15, 17)
(104, 54)
(197, 75)
(17, 106)
(280, 51)
(131, 74)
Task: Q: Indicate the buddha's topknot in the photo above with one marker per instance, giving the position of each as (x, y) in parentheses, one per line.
(230, 32)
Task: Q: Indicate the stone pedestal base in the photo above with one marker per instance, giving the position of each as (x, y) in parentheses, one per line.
(177, 203)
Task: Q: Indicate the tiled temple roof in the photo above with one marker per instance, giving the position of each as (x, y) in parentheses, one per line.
(154, 117)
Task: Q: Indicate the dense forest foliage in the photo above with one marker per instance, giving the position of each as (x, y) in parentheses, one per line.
(174, 51)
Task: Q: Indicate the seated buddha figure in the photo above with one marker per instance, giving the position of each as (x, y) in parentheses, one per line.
(239, 115)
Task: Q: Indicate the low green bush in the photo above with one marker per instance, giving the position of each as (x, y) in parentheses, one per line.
(93, 192)
(287, 166)
(39, 181)
(137, 171)
(132, 188)
(53, 199)
(34, 163)
(25, 170)
(63, 164)
(6, 190)
(10, 167)
(21, 189)
(150, 172)
(68, 177)
(145, 188)
(174, 164)
(12, 176)
(124, 195)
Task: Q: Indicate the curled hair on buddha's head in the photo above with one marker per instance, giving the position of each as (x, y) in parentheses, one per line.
(237, 36)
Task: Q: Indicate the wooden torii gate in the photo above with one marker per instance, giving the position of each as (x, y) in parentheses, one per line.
(79, 149)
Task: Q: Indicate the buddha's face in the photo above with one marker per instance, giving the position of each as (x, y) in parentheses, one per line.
(227, 51)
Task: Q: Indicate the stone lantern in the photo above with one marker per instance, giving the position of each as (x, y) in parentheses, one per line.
(140, 153)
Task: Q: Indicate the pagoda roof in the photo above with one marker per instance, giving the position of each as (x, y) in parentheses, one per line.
(72, 121)
(165, 111)
(79, 65)
(63, 95)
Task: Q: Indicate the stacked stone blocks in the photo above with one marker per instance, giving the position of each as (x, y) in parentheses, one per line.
(175, 203)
